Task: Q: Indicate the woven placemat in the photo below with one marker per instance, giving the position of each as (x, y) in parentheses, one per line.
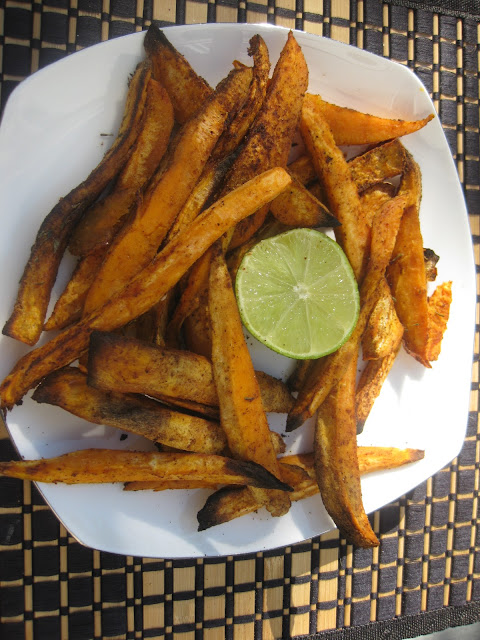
(425, 575)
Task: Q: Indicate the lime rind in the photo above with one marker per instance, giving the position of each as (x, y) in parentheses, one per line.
(297, 294)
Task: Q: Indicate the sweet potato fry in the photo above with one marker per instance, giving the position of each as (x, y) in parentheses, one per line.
(378, 164)
(344, 202)
(350, 127)
(241, 411)
(68, 389)
(297, 207)
(147, 288)
(406, 274)
(328, 371)
(374, 198)
(69, 306)
(118, 363)
(186, 89)
(232, 502)
(100, 223)
(270, 137)
(26, 322)
(110, 465)
(141, 238)
(431, 259)
(438, 313)
(384, 330)
(370, 384)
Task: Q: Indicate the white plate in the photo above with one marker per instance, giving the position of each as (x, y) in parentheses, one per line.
(51, 137)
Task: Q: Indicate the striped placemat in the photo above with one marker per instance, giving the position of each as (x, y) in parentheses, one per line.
(426, 573)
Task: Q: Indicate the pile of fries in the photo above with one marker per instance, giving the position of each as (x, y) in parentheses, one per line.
(149, 319)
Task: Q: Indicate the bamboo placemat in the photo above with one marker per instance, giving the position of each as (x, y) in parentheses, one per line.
(425, 575)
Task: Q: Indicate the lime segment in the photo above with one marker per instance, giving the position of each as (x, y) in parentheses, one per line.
(296, 293)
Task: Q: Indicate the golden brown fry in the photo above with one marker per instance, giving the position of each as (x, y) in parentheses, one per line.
(241, 411)
(124, 364)
(297, 207)
(370, 384)
(68, 389)
(406, 274)
(111, 465)
(147, 288)
(329, 370)
(101, 221)
(69, 306)
(186, 89)
(384, 330)
(379, 164)
(270, 137)
(438, 313)
(350, 127)
(232, 502)
(26, 322)
(140, 238)
(331, 167)
(374, 198)
(335, 443)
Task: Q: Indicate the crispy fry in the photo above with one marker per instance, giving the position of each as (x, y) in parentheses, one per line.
(270, 137)
(329, 370)
(124, 364)
(68, 389)
(378, 164)
(384, 330)
(69, 306)
(241, 411)
(374, 198)
(111, 465)
(101, 221)
(297, 207)
(147, 288)
(350, 127)
(232, 502)
(186, 89)
(406, 274)
(141, 238)
(438, 313)
(431, 260)
(331, 167)
(26, 322)
(370, 384)
(334, 443)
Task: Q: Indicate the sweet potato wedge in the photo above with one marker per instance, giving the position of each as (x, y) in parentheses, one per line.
(110, 465)
(241, 410)
(128, 365)
(147, 288)
(232, 502)
(378, 164)
(101, 221)
(186, 89)
(297, 207)
(270, 137)
(406, 274)
(67, 388)
(438, 313)
(140, 238)
(384, 330)
(350, 127)
(344, 202)
(28, 316)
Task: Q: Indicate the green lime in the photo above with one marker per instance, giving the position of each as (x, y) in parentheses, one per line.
(296, 293)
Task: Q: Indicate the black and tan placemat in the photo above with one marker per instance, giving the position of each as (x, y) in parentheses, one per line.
(425, 575)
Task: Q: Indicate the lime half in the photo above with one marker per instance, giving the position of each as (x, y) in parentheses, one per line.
(296, 293)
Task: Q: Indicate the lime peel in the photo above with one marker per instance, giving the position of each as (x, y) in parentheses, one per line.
(297, 294)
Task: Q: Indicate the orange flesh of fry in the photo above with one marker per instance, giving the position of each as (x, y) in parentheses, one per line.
(438, 313)
(350, 127)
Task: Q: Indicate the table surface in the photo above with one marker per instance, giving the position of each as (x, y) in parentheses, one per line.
(425, 575)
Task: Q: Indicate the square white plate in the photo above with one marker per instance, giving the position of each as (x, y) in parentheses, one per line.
(53, 134)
